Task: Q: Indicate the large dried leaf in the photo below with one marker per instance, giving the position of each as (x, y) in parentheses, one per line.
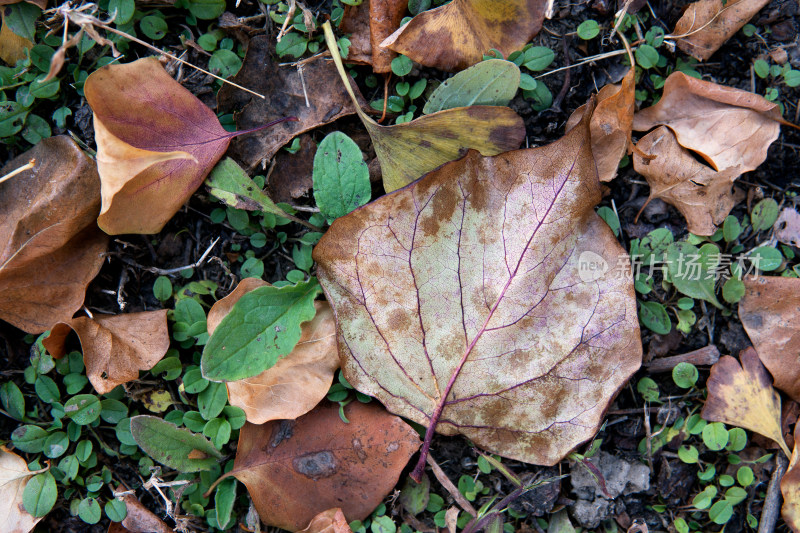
(50, 247)
(702, 195)
(611, 125)
(299, 380)
(790, 487)
(707, 24)
(294, 470)
(139, 519)
(156, 142)
(456, 35)
(14, 476)
(318, 101)
(728, 127)
(407, 151)
(770, 314)
(330, 521)
(743, 396)
(355, 21)
(115, 348)
(467, 303)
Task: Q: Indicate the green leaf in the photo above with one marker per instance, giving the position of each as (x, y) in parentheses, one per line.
(693, 270)
(235, 415)
(745, 476)
(89, 511)
(21, 19)
(541, 96)
(646, 56)
(29, 439)
(792, 78)
(761, 68)
(648, 389)
(83, 408)
(193, 381)
(721, 512)
(13, 401)
(224, 63)
(538, 58)
(715, 436)
(154, 27)
(170, 366)
(588, 29)
(56, 444)
(491, 82)
(764, 214)
(414, 497)
(766, 258)
(224, 498)
(341, 178)
(212, 400)
(194, 421)
(116, 510)
(36, 128)
(263, 326)
(733, 290)
(688, 454)
(231, 184)
(206, 9)
(174, 447)
(610, 217)
(655, 317)
(162, 288)
(383, 524)
(292, 44)
(12, 116)
(685, 375)
(737, 439)
(124, 13)
(401, 65)
(704, 499)
(40, 494)
(218, 430)
(69, 465)
(112, 411)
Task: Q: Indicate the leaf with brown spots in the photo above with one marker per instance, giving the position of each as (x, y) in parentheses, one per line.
(790, 486)
(299, 380)
(468, 301)
(296, 469)
(50, 246)
(702, 195)
(727, 127)
(156, 143)
(707, 24)
(743, 396)
(611, 125)
(115, 348)
(330, 521)
(456, 35)
(311, 94)
(407, 151)
(369, 23)
(770, 314)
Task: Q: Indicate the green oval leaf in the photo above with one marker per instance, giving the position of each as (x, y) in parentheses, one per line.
(655, 317)
(715, 436)
(172, 446)
(685, 375)
(83, 409)
(40, 494)
(89, 511)
(341, 178)
(491, 82)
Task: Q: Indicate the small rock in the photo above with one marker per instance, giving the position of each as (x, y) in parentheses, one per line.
(621, 476)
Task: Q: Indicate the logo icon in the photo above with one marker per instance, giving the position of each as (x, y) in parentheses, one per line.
(591, 266)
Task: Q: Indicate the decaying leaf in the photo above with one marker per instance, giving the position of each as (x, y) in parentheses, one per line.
(297, 469)
(702, 195)
(728, 127)
(355, 21)
(474, 301)
(12, 46)
(318, 101)
(14, 476)
(707, 24)
(456, 35)
(611, 125)
(156, 142)
(743, 396)
(787, 227)
(50, 246)
(370, 23)
(291, 176)
(330, 521)
(407, 151)
(790, 486)
(298, 381)
(115, 348)
(139, 519)
(770, 314)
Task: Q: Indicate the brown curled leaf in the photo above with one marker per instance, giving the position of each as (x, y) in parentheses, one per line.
(330, 521)
(790, 487)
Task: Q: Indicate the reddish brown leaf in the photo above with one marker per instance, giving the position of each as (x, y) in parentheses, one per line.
(770, 314)
(466, 303)
(285, 96)
(299, 380)
(728, 127)
(297, 469)
(743, 396)
(50, 247)
(330, 521)
(355, 21)
(456, 35)
(707, 24)
(790, 487)
(611, 125)
(139, 519)
(702, 195)
(115, 348)
(156, 142)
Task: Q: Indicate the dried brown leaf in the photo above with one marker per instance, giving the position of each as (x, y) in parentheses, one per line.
(139, 519)
(156, 142)
(291, 176)
(461, 303)
(707, 24)
(115, 348)
(296, 469)
(12, 46)
(50, 247)
(790, 487)
(285, 92)
(14, 475)
(456, 35)
(330, 521)
(611, 125)
(728, 127)
(743, 396)
(355, 21)
(787, 227)
(299, 380)
(702, 195)
(770, 314)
